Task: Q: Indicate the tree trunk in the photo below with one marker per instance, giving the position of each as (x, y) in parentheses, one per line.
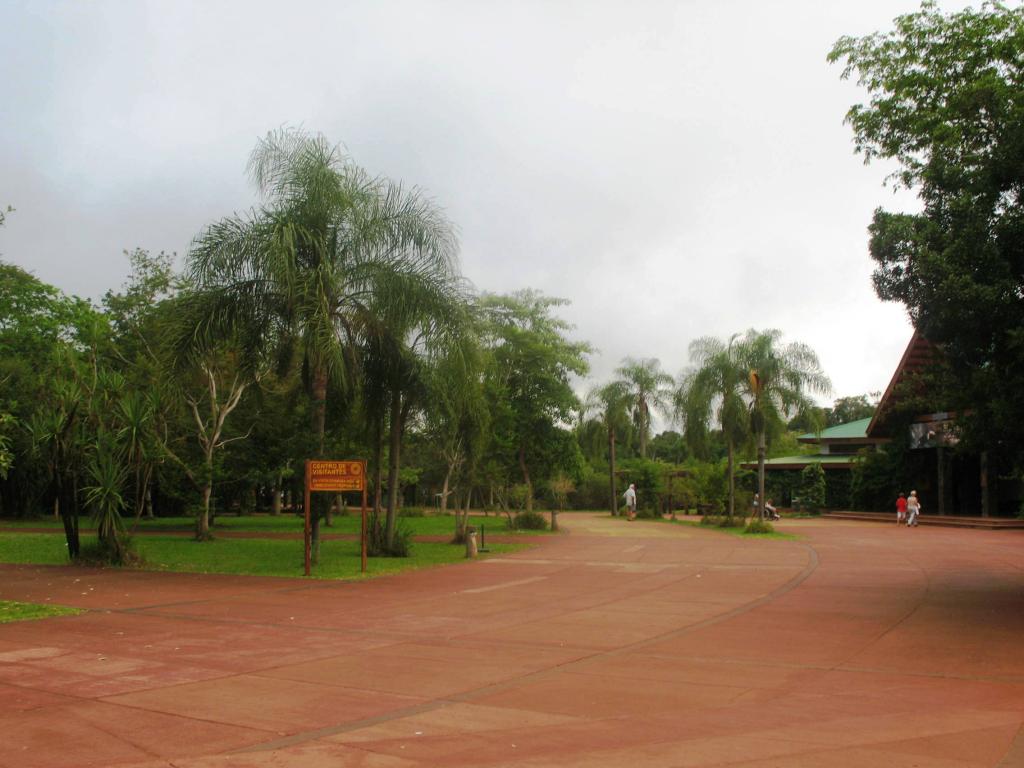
(149, 503)
(986, 501)
(614, 497)
(275, 505)
(203, 521)
(760, 473)
(319, 427)
(460, 522)
(70, 521)
(393, 466)
(732, 480)
(378, 459)
(643, 435)
(526, 478)
(444, 488)
(940, 460)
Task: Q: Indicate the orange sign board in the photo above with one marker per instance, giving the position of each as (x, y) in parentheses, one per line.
(335, 475)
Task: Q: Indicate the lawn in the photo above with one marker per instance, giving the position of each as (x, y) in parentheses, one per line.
(256, 557)
(434, 525)
(12, 611)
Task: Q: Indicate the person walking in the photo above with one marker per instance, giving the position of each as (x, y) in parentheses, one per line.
(913, 509)
(901, 509)
(630, 497)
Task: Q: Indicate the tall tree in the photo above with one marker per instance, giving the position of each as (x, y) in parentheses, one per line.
(531, 364)
(780, 379)
(649, 388)
(712, 392)
(609, 404)
(329, 252)
(947, 105)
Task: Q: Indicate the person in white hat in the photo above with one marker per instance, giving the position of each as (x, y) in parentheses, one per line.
(913, 508)
(630, 497)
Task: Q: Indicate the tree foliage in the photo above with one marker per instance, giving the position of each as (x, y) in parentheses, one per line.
(947, 105)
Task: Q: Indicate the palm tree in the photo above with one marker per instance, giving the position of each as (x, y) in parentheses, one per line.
(610, 405)
(649, 388)
(712, 391)
(397, 361)
(107, 476)
(777, 386)
(329, 252)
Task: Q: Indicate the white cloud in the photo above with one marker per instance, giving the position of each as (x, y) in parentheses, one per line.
(675, 169)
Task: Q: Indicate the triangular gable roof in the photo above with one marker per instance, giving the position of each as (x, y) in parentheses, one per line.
(919, 354)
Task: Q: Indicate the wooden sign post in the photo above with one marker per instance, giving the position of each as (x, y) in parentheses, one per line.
(334, 477)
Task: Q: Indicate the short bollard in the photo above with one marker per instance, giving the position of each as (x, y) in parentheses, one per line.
(470, 542)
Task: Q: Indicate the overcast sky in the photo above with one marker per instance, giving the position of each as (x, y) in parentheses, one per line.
(674, 169)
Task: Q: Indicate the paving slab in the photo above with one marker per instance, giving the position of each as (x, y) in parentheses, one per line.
(637, 644)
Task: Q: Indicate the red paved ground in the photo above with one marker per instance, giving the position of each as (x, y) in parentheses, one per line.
(636, 645)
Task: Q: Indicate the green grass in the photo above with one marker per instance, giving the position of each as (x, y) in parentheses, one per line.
(254, 557)
(12, 611)
(441, 525)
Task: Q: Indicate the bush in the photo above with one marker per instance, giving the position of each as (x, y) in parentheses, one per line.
(413, 512)
(721, 521)
(876, 478)
(591, 492)
(99, 552)
(376, 540)
(648, 512)
(758, 526)
(529, 521)
(812, 486)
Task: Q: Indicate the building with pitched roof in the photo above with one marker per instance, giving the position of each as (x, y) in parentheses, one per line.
(949, 482)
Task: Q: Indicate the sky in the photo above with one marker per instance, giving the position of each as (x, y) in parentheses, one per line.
(674, 170)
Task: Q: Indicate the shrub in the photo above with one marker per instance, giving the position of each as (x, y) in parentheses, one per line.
(376, 540)
(648, 512)
(100, 552)
(591, 492)
(413, 512)
(758, 526)
(812, 486)
(529, 521)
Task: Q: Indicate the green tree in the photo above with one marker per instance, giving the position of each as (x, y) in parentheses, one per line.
(609, 405)
(947, 105)
(649, 388)
(7, 423)
(329, 253)
(407, 342)
(780, 379)
(712, 392)
(812, 486)
(853, 408)
(669, 446)
(457, 422)
(531, 363)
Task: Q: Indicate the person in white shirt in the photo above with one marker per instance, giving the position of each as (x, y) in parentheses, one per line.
(630, 497)
(913, 508)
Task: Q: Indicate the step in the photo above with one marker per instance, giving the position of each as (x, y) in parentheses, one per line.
(949, 521)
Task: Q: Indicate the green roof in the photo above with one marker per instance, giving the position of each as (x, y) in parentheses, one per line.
(853, 430)
(835, 459)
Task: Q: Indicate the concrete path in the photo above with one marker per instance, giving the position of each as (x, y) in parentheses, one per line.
(622, 644)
